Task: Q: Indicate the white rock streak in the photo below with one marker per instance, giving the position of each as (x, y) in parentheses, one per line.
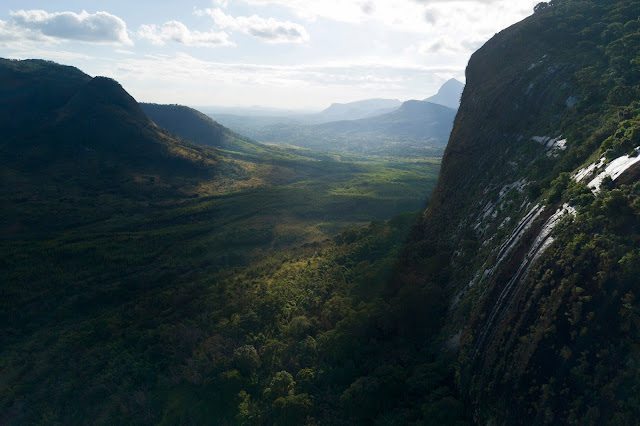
(510, 290)
(551, 144)
(522, 227)
(544, 238)
(614, 170)
(588, 171)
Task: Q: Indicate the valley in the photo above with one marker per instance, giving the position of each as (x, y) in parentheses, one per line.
(380, 262)
(121, 221)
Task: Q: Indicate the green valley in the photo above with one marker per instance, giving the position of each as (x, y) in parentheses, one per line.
(159, 268)
(127, 250)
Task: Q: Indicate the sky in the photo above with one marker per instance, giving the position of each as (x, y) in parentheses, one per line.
(289, 54)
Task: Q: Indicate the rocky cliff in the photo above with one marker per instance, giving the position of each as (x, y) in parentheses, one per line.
(538, 203)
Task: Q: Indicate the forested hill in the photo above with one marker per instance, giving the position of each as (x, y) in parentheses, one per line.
(539, 205)
(60, 119)
(180, 119)
(194, 126)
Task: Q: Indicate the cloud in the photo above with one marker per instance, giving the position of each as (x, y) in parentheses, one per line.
(99, 27)
(460, 1)
(210, 82)
(269, 30)
(10, 32)
(431, 16)
(488, 16)
(357, 73)
(368, 7)
(444, 46)
(178, 32)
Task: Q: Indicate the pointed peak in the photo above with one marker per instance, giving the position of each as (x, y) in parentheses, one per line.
(448, 94)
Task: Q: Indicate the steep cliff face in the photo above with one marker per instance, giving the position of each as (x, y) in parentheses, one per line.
(538, 202)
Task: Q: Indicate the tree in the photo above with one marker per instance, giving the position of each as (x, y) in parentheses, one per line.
(281, 385)
(292, 409)
(540, 7)
(246, 360)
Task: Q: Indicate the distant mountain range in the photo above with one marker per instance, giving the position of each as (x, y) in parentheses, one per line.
(357, 110)
(373, 126)
(414, 119)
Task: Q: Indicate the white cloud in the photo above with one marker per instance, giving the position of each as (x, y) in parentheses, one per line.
(269, 30)
(208, 82)
(368, 7)
(460, 1)
(444, 46)
(419, 16)
(178, 32)
(10, 33)
(99, 27)
(431, 16)
(361, 74)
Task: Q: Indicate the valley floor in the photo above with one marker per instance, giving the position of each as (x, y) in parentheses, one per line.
(163, 301)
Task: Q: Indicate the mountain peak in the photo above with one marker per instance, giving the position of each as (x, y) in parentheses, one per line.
(37, 87)
(449, 94)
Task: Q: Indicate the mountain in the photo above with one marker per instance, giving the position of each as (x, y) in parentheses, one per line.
(357, 110)
(253, 111)
(537, 206)
(449, 94)
(62, 118)
(414, 119)
(31, 89)
(196, 127)
(189, 122)
(415, 129)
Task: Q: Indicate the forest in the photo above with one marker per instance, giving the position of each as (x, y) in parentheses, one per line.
(157, 273)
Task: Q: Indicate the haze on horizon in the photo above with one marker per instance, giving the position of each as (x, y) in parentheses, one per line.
(290, 54)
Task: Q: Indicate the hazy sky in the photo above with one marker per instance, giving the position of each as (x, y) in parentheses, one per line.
(277, 53)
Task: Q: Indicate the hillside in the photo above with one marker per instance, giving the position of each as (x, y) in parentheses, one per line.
(32, 89)
(194, 126)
